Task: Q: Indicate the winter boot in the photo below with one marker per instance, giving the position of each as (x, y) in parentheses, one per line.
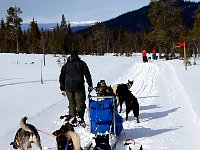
(82, 123)
(66, 117)
(74, 121)
(80, 120)
(69, 118)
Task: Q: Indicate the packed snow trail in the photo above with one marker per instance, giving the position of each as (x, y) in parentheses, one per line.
(167, 119)
(164, 101)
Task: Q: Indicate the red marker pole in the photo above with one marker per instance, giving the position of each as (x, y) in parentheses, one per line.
(185, 54)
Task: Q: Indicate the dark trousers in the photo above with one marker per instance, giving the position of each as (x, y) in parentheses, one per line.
(144, 59)
(76, 103)
(154, 56)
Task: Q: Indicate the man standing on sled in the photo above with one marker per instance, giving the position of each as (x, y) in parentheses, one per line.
(72, 85)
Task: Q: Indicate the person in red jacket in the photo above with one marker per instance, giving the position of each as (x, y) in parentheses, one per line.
(144, 56)
(153, 53)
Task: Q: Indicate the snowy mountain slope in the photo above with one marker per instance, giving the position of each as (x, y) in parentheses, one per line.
(168, 118)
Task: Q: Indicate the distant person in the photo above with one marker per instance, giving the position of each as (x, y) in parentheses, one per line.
(153, 53)
(144, 56)
(72, 85)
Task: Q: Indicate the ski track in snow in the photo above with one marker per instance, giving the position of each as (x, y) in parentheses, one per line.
(143, 75)
(153, 107)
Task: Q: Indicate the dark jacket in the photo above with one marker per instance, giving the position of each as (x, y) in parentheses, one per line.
(72, 75)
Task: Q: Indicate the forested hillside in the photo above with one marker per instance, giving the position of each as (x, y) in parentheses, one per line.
(159, 25)
(138, 20)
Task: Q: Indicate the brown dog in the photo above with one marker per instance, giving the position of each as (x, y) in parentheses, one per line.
(66, 137)
(103, 90)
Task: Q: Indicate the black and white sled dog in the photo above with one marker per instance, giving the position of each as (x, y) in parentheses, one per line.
(120, 90)
(26, 135)
(67, 138)
(102, 142)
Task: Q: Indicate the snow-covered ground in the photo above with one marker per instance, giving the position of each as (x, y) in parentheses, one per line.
(167, 94)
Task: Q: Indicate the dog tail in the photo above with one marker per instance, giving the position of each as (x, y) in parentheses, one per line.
(75, 139)
(24, 125)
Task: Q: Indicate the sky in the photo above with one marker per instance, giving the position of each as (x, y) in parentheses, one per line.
(50, 11)
(168, 96)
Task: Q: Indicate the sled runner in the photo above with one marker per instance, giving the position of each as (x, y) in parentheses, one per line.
(105, 122)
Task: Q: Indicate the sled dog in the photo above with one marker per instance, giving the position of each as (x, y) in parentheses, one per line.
(119, 90)
(102, 142)
(67, 138)
(132, 104)
(103, 90)
(26, 135)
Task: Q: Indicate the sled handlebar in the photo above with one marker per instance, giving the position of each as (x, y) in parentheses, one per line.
(101, 96)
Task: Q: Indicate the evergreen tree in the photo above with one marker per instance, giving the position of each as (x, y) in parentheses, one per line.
(2, 35)
(14, 21)
(196, 31)
(55, 40)
(63, 23)
(120, 41)
(8, 38)
(24, 45)
(62, 35)
(167, 24)
(34, 35)
(53, 43)
(196, 28)
(99, 38)
(68, 41)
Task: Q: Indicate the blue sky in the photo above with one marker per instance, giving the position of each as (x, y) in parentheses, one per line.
(74, 10)
(50, 11)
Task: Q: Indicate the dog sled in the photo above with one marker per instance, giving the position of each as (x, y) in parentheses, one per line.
(105, 122)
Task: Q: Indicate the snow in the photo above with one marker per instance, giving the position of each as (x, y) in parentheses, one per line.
(167, 94)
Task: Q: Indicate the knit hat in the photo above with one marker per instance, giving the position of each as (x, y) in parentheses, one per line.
(74, 53)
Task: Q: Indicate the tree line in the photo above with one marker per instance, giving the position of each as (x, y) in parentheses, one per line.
(167, 29)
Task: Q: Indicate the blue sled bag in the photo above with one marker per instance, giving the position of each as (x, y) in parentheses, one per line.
(101, 116)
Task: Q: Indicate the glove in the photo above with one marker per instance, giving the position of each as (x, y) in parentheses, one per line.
(90, 88)
(63, 93)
